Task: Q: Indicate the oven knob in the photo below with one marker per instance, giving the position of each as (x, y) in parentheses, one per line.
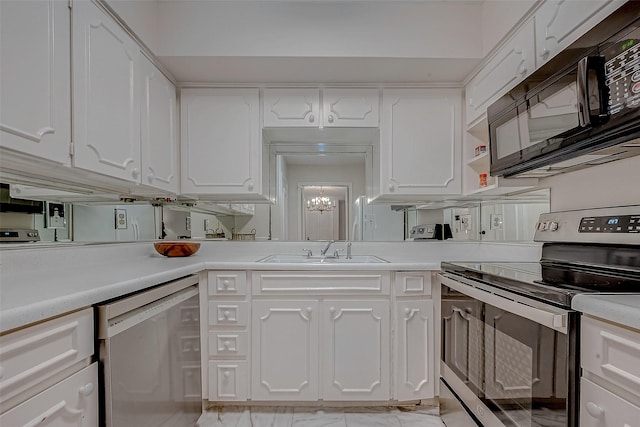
(553, 226)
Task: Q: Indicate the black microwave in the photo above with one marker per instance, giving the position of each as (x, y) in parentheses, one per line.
(580, 109)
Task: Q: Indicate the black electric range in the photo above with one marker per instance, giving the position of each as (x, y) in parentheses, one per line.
(584, 251)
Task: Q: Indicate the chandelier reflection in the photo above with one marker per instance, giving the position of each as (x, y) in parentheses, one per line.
(321, 203)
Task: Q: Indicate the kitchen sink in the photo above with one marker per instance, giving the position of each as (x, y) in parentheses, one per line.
(303, 259)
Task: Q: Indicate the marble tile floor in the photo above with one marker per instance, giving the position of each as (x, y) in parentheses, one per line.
(238, 416)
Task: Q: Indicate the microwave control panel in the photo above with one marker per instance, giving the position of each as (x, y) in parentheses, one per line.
(622, 73)
(610, 224)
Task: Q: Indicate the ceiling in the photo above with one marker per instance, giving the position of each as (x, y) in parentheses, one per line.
(319, 41)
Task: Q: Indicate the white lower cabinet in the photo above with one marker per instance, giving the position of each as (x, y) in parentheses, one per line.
(610, 382)
(415, 354)
(356, 350)
(320, 335)
(71, 402)
(285, 350)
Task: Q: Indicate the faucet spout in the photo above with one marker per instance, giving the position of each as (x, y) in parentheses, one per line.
(323, 252)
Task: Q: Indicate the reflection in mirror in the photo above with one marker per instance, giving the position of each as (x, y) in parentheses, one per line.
(324, 212)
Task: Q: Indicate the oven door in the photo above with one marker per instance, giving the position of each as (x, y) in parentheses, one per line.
(508, 360)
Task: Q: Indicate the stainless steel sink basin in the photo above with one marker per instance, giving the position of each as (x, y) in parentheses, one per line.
(303, 259)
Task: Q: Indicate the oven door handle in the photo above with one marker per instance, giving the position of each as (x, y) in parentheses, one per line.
(556, 319)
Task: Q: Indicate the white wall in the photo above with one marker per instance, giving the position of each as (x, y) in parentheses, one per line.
(611, 184)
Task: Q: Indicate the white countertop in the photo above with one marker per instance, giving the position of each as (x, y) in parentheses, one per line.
(618, 308)
(40, 282)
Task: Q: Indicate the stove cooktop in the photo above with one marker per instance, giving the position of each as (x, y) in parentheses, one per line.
(554, 283)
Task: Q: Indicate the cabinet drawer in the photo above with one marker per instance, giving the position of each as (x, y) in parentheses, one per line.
(228, 313)
(228, 380)
(600, 407)
(41, 352)
(285, 282)
(228, 343)
(413, 283)
(227, 283)
(611, 352)
(72, 402)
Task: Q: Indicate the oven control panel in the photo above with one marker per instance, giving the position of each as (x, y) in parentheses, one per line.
(18, 235)
(610, 224)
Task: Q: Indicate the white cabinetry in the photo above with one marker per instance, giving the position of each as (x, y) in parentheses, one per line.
(420, 142)
(291, 107)
(350, 107)
(356, 349)
(286, 354)
(35, 95)
(226, 371)
(341, 107)
(343, 340)
(43, 376)
(106, 88)
(415, 356)
(221, 143)
(159, 133)
(610, 375)
(514, 61)
(559, 23)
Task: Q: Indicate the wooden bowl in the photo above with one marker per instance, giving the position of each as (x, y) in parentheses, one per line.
(176, 249)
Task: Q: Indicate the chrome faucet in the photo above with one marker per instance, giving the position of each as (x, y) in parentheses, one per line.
(348, 250)
(323, 252)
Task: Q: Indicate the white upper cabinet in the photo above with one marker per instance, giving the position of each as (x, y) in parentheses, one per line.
(509, 66)
(350, 107)
(291, 107)
(559, 23)
(341, 107)
(106, 84)
(159, 134)
(221, 144)
(35, 94)
(420, 141)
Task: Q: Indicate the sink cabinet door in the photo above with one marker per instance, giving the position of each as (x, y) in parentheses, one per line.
(285, 350)
(356, 350)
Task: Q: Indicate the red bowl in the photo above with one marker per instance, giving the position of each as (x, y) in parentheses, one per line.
(176, 249)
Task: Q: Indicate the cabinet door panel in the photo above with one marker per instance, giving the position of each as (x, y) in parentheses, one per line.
(221, 152)
(415, 365)
(559, 23)
(106, 86)
(420, 142)
(291, 107)
(600, 407)
(159, 138)
(285, 350)
(35, 92)
(511, 64)
(356, 340)
(350, 107)
(72, 402)
(228, 380)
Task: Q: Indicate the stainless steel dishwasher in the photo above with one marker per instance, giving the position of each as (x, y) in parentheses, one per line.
(150, 357)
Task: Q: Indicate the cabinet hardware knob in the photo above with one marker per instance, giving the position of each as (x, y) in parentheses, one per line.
(226, 314)
(407, 310)
(392, 186)
(523, 70)
(86, 389)
(312, 118)
(544, 52)
(226, 374)
(332, 309)
(594, 410)
(309, 310)
(135, 173)
(250, 186)
(225, 283)
(330, 118)
(151, 177)
(227, 344)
